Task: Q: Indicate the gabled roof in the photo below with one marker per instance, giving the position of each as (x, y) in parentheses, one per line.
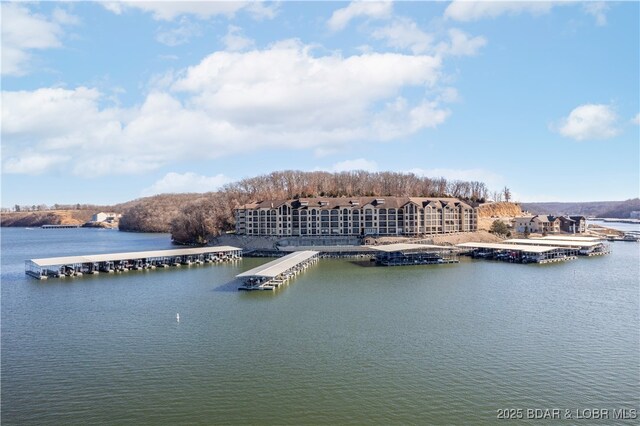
(359, 202)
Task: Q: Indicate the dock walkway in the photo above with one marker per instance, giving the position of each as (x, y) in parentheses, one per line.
(278, 272)
(121, 262)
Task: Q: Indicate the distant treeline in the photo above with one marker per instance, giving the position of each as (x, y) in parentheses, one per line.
(195, 218)
(45, 207)
(615, 209)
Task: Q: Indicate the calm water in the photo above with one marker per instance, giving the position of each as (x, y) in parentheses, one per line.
(343, 344)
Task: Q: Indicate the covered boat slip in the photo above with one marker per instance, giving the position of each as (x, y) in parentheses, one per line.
(413, 254)
(273, 274)
(515, 253)
(120, 262)
(570, 238)
(585, 248)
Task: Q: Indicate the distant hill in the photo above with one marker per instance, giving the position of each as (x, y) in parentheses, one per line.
(53, 217)
(617, 209)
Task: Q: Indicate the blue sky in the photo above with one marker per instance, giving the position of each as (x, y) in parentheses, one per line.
(107, 102)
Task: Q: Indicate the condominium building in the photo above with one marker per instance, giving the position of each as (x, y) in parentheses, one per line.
(356, 216)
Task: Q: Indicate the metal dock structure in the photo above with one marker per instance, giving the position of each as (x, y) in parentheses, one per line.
(278, 272)
(403, 254)
(584, 248)
(520, 253)
(69, 266)
(570, 238)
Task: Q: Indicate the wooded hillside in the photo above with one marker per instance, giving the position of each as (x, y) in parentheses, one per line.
(194, 218)
(614, 209)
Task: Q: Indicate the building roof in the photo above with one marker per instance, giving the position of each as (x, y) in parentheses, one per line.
(327, 249)
(276, 267)
(402, 247)
(512, 247)
(560, 243)
(545, 218)
(337, 202)
(113, 257)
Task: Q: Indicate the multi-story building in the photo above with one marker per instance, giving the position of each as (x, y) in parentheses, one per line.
(356, 216)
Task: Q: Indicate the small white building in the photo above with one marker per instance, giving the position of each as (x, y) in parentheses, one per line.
(106, 217)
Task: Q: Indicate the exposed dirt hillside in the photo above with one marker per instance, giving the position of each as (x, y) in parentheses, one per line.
(489, 212)
(499, 210)
(50, 217)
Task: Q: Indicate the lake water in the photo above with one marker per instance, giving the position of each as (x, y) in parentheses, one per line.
(342, 344)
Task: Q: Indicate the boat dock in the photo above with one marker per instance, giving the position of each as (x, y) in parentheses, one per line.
(60, 226)
(58, 267)
(584, 248)
(402, 254)
(278, 272)
(569, 238)
(520, 253)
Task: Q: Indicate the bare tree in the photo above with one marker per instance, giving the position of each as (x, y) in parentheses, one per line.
(507, 194)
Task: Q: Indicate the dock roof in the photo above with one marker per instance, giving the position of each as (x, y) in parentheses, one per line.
(537, 242)
(568, 238)
(327, 249)
(113, 257)
(513, 247)
(276, 267)
(407, 247)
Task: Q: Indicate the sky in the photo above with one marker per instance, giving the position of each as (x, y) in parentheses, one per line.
(105, 102)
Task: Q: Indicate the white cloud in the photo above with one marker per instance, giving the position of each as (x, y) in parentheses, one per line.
(481, 175)
(235, 41)
(33, 163)
(403, 33)
(465, 11)
(373, 10)
(182, 33)
(590, 121)
(462, 44)
(636, 119)
(63, 17)
(169, 10)
(286, 91)
(24, 31)
(598, 10)
(229, 103)
(357, 164)
(186, 182)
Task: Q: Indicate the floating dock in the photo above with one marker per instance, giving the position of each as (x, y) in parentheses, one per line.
(585, 248)
(60, 226)
(515, 253)
(404, 254)
(278, 272)
(121, 262)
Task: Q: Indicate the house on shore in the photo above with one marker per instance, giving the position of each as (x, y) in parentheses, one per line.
(573, 224)
(356, 216)
(103, 217)
(545, 224)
